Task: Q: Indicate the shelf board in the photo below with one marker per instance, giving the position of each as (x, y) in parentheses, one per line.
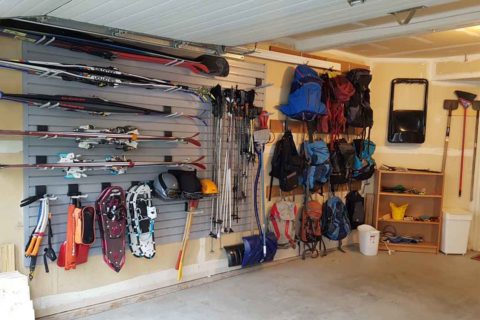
(412, 173)
(410, 222)
(429, 247)
(395, 194)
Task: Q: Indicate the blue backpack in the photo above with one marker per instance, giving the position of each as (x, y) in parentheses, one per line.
(363, 163)
(305, 99)
(319, 168)
(335, 222)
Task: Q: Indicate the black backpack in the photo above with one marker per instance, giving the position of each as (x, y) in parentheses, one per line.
(190, 186)
(358, 112)
(341, 159)
(287, 164)
(356, 208)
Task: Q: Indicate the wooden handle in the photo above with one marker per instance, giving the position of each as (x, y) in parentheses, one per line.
(31, 245)
(179, 259)
(37, 246)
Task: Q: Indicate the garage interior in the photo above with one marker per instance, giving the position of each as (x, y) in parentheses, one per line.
(250, 160)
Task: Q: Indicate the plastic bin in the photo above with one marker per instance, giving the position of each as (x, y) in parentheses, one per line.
(369, 238)
(456, 227)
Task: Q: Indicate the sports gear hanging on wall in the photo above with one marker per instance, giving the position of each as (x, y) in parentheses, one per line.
(363, 163)
(319, 169)
(141, 216)
(192, 206)
(335, 222)
(108, 48)
(166, 186)
(190, 186)
(95, 106)
(356, 208)
(98, 76)
(407, 126)
(38, 233)
(342, 159)
(287, 165)
(87, 137)
(283, 215)
(305, 99)
(358, 112)
(111, 215)
(310, 231)
(76, 168)
(466, 100)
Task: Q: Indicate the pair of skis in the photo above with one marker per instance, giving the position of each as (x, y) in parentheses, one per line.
(111, 49)
(95, 106)
(75, 167)
(98, 76)
(87, 137)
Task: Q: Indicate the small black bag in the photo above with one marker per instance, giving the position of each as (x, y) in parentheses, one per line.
(358, 111)
(287, 165)
(341, 159)
(355, 208)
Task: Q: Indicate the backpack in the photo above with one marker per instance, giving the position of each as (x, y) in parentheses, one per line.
(310, 230)
(335, 223)
(355, 208)
(318, 170)
(358, 112)
(282, 221)
(337, 91)
(363, 163)
(287, 165)
(305, 99)
(341, 159)
(190, 186)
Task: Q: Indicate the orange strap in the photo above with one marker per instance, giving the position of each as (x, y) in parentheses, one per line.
(70, 254)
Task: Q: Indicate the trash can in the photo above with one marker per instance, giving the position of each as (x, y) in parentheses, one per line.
(456, 227)
(369, 238)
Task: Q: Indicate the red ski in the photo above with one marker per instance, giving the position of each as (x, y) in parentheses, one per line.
(87, 137)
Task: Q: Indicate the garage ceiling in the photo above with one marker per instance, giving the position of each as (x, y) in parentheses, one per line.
(226, 22)
(307, 25)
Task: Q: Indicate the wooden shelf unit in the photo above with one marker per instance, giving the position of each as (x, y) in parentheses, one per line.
(429, 204)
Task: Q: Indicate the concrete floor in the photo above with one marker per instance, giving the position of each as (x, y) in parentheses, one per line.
(339, 286)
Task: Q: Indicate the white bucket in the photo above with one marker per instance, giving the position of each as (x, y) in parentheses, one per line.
(369, 238)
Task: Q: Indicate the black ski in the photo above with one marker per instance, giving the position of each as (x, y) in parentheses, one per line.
(97, 106)
(108, 47)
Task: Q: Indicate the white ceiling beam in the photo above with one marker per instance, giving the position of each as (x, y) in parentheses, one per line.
(436, 22)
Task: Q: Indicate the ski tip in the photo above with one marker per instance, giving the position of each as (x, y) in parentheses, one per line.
(195, 142)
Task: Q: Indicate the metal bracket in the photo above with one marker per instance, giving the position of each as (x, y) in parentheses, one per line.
(410, 14)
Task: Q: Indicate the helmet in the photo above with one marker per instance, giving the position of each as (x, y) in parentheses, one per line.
(166, 186)
(208, 186)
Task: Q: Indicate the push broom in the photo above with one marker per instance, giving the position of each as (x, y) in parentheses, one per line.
(466, 100)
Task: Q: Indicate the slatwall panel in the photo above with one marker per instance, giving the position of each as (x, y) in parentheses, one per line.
(170, 222)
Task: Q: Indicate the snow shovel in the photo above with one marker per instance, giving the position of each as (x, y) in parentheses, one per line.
(466, 99)
(262, 247)
(449, 105)
(476, 107)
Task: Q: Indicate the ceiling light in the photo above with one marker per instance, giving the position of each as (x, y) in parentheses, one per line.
(355, 2)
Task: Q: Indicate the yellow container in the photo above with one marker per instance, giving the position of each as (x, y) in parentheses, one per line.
(398, 212)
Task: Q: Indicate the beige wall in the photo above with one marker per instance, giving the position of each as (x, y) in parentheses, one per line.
(429, 154)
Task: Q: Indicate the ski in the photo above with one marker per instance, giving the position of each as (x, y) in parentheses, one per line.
(96, 106)
(75, 167)
(87, 137)
(98, 76)
(111, 49)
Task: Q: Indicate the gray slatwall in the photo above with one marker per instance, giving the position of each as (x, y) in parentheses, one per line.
(170, 223)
